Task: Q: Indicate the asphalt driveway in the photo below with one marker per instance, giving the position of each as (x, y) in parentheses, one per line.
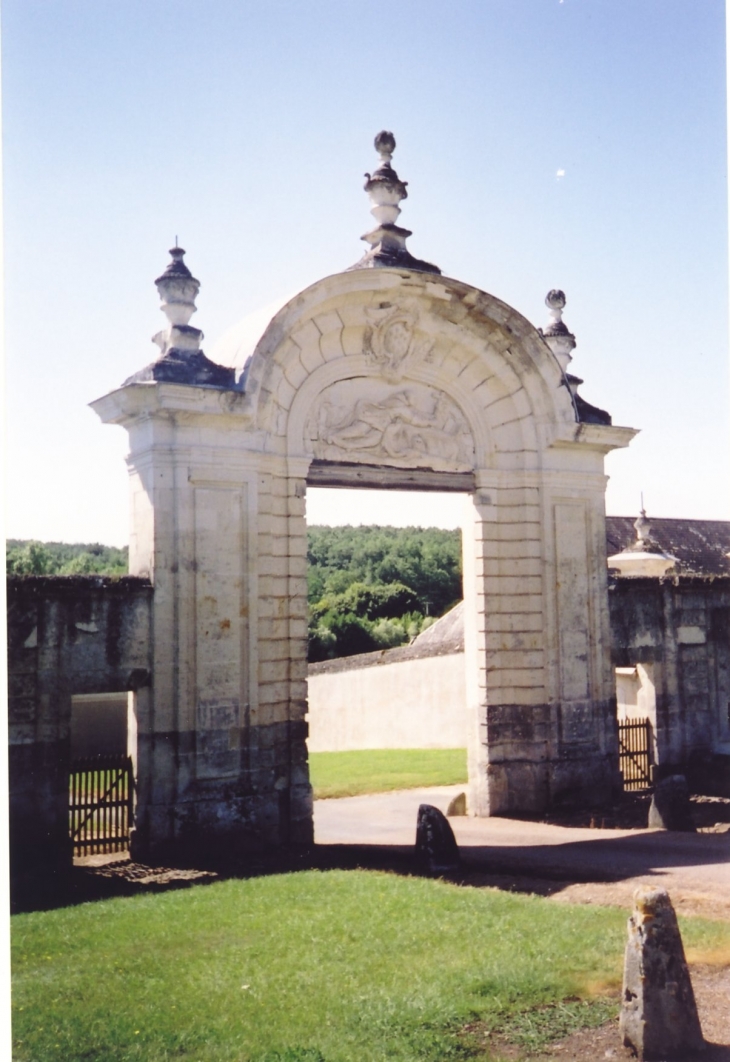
(589, 865)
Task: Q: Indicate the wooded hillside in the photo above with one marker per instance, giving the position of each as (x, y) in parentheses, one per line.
(368, 587)
(26, 557)
(378, 587)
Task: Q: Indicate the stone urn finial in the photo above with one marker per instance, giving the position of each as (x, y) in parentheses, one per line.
(384, 187)
(385, 145)
(386, 191)
(555, 302)
(644, 557)
(556, 334)
(178, 290)
(642, 524)
(181, 361)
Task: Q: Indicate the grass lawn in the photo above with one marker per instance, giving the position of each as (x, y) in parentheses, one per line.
(310, 967)
(340, 774)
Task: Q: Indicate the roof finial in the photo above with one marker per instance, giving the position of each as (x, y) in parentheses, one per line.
(178, 290)
(562, 342)
(643, 526)
(386, 190)
(644, 556)
(556, 334)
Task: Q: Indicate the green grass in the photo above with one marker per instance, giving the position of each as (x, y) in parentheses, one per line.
(308, 967)
(340, 774)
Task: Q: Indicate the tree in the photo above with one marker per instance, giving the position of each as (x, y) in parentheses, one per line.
(31, 559)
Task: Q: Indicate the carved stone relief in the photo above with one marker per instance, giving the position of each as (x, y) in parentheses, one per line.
(391, 341)
(382, 423)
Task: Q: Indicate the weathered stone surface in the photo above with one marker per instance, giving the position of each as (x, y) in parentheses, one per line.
(436, 847)
(389, 373)
(457, 806)
(670, 806)
(90, 634)
(659, 1017)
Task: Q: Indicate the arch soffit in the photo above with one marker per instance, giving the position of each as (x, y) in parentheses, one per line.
(409, 329)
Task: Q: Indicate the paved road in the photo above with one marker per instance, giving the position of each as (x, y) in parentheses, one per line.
(694, 867)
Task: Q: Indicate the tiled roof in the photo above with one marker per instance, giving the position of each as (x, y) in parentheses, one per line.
(702, 547)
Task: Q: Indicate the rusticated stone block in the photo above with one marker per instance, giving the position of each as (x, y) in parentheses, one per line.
(659, 1017)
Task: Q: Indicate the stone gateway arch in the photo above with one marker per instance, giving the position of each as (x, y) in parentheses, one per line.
(386, 375)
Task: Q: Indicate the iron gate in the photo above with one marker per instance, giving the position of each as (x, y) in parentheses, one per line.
(101, 793)
(635, 753)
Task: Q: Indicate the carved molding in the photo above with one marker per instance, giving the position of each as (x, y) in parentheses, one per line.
(383, 423)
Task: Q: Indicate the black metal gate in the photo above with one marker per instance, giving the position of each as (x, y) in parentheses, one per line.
(101, 793)
(635, 753)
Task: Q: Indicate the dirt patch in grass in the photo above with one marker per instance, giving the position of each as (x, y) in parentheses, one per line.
(602, 1042)
(711, 904)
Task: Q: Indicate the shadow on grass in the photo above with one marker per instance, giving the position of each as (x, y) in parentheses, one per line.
(537, 869)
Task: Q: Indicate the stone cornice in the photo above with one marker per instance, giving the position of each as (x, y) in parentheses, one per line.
(600, 437)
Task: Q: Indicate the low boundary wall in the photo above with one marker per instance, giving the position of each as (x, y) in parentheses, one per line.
(388, 703)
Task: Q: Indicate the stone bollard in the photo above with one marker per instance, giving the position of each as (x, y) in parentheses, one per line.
(457, 806)
(659, 1017)
(670, 806)
(436, 847)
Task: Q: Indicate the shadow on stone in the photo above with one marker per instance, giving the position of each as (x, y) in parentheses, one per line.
(670, 805)
(436, 849)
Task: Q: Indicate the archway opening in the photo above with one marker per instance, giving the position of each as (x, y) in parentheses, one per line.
(387, 708)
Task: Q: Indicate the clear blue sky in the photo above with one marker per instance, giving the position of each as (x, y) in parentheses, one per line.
(244, 128)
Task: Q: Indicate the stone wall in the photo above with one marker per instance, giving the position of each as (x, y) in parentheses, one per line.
(66, 636)
(389, 703)
(675, 632)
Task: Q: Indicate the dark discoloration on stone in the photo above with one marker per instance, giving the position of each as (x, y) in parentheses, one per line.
(186, 367)
(263, 801)
(436, 849)
(49, 660)
(394, 259)
(676, 627)
(670, 806)
(588, 414)
(659, 1017)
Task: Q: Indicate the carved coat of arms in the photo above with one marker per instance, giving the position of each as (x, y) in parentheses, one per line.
(391, 341)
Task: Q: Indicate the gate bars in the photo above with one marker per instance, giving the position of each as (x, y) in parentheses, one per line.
(635, 753)
(101, 794)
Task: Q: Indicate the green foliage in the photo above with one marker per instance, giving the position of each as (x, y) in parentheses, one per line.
(352, 634)
(368, 601)
(63, 558)
(389, 633)
(32, 558)
(343, 774)
(375, 587)
(426, 560)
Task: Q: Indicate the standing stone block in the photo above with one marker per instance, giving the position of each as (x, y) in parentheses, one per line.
(436, 847)
(659, 1017)
(670, 807)
(457, 806)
